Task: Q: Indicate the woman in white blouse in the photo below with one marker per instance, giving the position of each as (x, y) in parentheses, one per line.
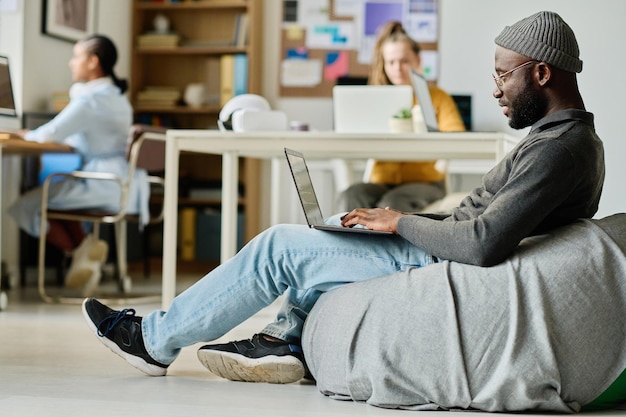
(96, 124)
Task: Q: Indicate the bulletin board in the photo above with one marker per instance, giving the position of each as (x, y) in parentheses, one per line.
(322, 40)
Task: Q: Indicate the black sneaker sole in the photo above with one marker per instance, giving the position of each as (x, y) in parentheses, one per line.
(235, 367)
(137, 362)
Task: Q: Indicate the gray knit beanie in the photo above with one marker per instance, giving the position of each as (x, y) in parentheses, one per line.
(545, 37)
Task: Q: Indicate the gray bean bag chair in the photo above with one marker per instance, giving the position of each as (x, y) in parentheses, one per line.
(544, 330)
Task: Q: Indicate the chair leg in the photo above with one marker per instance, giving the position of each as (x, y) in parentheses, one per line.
(122, 266)
(24, 239)
(41, 264)
(145, 238)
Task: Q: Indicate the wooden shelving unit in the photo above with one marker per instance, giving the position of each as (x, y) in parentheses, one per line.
(206, 29)
(205, 22)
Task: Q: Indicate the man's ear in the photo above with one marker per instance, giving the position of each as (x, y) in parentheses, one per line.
(544, 73)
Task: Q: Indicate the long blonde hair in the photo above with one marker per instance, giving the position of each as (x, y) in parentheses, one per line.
(391, 31)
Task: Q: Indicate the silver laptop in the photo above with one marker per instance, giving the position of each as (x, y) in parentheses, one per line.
(308, 198)
(368, 108)
(7, 103)
(420, 85)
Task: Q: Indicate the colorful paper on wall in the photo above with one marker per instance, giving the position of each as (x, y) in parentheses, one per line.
(330, 35)
(336, 65)
(297, 53)
(301, 72)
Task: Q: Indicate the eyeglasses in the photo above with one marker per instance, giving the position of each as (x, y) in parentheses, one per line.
(499, 79)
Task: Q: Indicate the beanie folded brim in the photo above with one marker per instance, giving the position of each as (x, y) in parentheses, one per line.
(545, 37)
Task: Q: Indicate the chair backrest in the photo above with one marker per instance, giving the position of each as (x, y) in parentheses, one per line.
(151, 156)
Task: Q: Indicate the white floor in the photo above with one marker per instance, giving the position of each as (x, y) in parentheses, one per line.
(52, 365)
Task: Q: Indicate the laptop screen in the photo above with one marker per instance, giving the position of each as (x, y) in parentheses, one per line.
(420, 85)
(368, 108)
(303, 182)
(7, 103)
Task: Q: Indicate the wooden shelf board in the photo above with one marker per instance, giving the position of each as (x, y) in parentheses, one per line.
(177, 110)
(193, 50)
(190, 5)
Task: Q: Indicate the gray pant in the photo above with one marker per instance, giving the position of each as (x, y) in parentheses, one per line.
(409, 197)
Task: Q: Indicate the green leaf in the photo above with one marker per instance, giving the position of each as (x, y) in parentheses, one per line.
(403, 114)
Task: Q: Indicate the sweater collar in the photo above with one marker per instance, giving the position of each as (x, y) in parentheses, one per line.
(562, 116)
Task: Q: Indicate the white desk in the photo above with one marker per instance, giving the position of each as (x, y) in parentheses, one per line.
(314, 145)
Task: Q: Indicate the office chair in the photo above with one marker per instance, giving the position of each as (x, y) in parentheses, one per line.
(146, 149)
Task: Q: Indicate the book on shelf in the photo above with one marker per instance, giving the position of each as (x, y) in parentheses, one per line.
(227, 72)
(213, 80)
(240, 74)
(158, 96)
(241, 30)
(158, 40)
(233, 76)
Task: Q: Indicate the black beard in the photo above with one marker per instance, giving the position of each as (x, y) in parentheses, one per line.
(527, 108)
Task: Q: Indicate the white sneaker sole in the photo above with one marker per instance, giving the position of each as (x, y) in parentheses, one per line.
(135, 361)
(235, 367)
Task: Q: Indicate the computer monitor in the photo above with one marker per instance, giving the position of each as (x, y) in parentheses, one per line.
(464, 104)
(7, 102)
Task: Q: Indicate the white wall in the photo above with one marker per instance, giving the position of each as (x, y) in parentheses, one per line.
(46, 59)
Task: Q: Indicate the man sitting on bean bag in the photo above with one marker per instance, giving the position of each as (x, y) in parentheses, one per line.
(544, 330)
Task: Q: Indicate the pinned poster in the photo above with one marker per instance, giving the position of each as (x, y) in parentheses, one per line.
(374, 14)
(330, 35)
(336, 65)
(297, 53)
(430, 68)
(301, 72)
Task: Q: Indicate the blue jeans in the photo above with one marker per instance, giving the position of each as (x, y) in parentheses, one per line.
(294, 258)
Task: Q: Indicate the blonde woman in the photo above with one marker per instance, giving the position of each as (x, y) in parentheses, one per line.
(405, 186)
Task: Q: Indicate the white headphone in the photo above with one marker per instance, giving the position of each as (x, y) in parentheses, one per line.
(240, 103)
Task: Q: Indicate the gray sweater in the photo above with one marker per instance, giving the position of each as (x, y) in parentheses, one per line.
(552, 177)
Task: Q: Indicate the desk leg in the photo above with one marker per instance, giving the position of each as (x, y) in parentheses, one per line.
(275, 191)
(170, 222)
(230, 194)
(3, 296)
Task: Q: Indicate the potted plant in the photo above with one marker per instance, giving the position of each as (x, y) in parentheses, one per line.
(401, 122)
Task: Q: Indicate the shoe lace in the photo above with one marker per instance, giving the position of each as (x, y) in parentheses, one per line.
(113, 320)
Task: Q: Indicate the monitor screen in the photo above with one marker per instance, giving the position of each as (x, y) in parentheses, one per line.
(7, 103)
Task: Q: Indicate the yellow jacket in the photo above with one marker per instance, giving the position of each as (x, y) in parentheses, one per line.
(394, 172)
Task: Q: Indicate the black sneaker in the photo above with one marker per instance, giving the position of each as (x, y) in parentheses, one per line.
(255, 360)
(120, 331)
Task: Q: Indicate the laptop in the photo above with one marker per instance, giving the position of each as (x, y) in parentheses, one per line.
(368, 108)
(8, 126)
(308, 198)
(420, 85)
